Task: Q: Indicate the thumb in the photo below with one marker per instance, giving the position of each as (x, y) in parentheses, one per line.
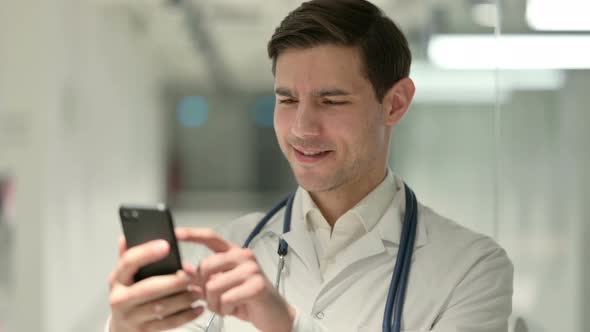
(122, 245)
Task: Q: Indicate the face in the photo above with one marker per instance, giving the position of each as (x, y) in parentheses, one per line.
(328, 122)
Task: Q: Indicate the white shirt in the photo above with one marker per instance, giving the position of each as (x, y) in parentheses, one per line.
(350, 227)
(460, 281)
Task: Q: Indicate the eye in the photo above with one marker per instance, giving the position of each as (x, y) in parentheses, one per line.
(287, 101)
(334, 102)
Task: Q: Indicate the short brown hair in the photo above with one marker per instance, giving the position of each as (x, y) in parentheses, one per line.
(384, 48)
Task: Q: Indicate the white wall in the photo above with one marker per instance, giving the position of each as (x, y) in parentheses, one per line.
(94, 139)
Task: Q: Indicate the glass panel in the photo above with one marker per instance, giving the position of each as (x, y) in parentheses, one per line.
(543, 160)
(444, 147)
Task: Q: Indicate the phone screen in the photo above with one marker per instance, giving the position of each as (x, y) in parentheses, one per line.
(143, 224)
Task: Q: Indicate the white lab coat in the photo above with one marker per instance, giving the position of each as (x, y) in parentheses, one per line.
(460, 281)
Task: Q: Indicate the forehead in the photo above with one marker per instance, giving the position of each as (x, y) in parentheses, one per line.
(319, 67)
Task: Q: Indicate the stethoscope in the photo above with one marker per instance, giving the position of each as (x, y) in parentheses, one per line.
(399, 280)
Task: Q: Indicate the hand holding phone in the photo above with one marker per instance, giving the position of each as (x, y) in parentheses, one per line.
(142, 224)
(164, 298)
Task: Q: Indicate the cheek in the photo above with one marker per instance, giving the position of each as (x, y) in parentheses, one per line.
(351, 129)
(281, 126)
(360, 134)
(280, 123)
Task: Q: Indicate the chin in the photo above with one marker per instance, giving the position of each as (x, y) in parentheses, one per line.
(312, 181)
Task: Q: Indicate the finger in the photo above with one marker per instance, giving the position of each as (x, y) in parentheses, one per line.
(249, 289)
(138, 256)
(124, 299)
(173, 321)
(224, 282)
(122, 249)
(165, 307)
(122, 245)
(189, 268)
(158, 287)
(204, 236)
(222, 262)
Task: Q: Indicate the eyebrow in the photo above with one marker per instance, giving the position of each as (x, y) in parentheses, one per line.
(330, 92)
(285, 92)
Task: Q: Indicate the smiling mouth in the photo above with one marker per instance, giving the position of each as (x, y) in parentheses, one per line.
(310, 156)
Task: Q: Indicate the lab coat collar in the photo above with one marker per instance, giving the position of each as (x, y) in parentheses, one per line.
(388, 229)
(371, 244)
(298, 238)
(367, 212)
(390, 225)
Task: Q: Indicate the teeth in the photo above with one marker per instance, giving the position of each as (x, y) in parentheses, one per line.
(312, 153)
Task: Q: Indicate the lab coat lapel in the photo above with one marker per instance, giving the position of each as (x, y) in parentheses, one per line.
(388, 229)
(301, 245)
(370, 244)
(390, 225)
(300, 241)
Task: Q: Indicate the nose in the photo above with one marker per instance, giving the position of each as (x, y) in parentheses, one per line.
(307, 122)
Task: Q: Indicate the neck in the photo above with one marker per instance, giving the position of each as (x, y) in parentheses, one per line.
(336, 202)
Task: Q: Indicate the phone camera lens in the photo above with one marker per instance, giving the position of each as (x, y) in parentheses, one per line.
(134, 214)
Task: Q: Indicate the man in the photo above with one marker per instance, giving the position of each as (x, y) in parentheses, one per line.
(341, 82)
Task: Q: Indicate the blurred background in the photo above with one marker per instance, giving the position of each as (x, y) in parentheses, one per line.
(111, 101)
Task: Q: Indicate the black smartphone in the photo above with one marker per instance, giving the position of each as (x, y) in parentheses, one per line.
(142, 224)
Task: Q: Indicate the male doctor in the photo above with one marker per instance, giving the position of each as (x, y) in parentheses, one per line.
(341, 82)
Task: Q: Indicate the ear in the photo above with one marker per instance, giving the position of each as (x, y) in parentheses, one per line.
(397, 100)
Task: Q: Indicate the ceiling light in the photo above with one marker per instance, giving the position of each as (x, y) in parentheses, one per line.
(510, 51)
(564, 15)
